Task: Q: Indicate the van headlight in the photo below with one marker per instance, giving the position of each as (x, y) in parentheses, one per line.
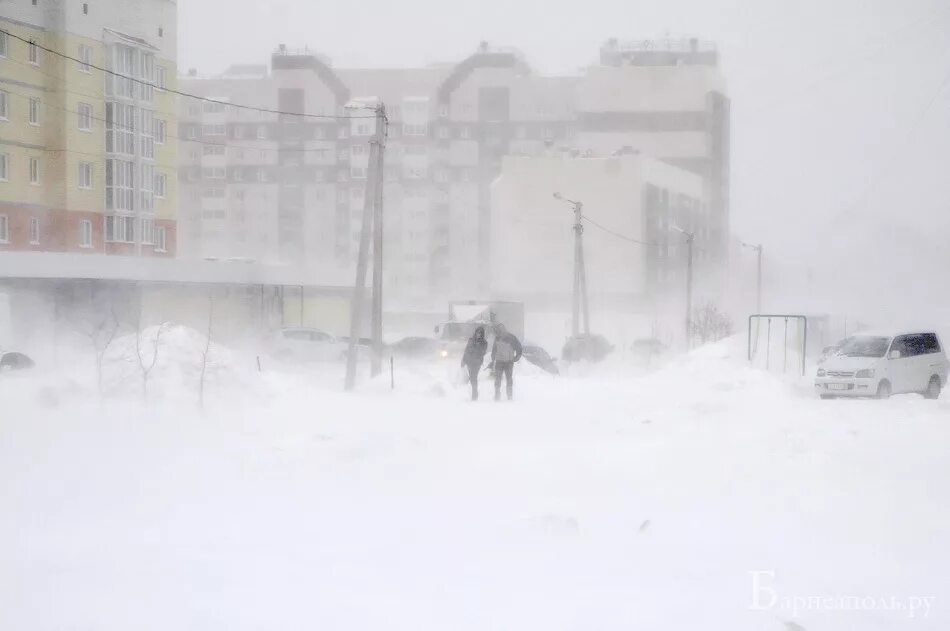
(864, 373)
(822, 372)
(444, 353)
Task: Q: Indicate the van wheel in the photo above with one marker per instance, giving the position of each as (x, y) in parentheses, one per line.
(883, 390)
(933, 388)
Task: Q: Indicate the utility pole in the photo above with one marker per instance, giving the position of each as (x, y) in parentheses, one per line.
(377, 326)
(579, 300)
(372, 194)
(758, 273)
(689, 282)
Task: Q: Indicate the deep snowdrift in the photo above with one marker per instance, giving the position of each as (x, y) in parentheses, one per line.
(600, 500)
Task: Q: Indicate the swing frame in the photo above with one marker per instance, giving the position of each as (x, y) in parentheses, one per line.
(768, 336)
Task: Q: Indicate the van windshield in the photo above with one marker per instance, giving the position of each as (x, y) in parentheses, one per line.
(864, 346)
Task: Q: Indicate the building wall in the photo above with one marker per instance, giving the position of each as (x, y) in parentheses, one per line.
(450, 129)
(532, 254)
(57, 203)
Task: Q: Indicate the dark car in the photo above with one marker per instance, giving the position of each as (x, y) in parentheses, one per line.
(417, 347)
(540, 358)
(590, 347)
(12, 360)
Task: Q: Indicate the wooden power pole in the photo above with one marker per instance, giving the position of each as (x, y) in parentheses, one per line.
(372, 224)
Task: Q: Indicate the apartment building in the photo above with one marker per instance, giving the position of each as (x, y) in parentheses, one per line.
(634, 206)
(290, 188)
(88, 159)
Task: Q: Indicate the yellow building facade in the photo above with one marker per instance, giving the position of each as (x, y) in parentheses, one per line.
(88, 128)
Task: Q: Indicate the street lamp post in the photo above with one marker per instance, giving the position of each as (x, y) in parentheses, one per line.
(689, 281)
(758, 273)
(579, 301)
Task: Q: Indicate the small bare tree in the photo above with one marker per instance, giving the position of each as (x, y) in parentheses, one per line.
(207, 349)
(709, 324)
(102, 335)
(146, 366)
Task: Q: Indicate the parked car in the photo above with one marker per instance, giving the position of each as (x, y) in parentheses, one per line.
(13, 360)
(879, 365)
(305, 344)
(590, 347)
(540, 358)
(417, 348)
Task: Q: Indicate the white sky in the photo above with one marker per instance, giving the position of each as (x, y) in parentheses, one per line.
(828, 95)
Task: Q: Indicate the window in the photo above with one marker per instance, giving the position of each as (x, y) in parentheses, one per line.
(192, 132)
(147, 183)
(414, 130)
(357, 150)
(341, 133)
(212, 150)
(84, 112)
(443, 111)
(34, 54)
(213, 173)
(160, 239)
(120, 229)
(212, 107)
(85, 175)
(238, 174)
(161, 185)
(148, 229)
(213, 130)
(85, 8)
(464, 132)
(4, 112)
(120, 135)
(238, 132)
(120, 175)
(4, 229)
(3, 44)
(85, 58)
(34, 111)
(318, 133)
(34, 170)
(4, 167)
(160, 77)
(85, 233)
(147, 127)
(159, 131)
(261, 132)
(34, 231)
(358, 173)
(443, 132)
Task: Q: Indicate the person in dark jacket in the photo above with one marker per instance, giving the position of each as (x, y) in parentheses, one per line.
(504, 353)
(473, 356)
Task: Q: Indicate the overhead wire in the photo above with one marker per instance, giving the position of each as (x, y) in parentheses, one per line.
(181, 92)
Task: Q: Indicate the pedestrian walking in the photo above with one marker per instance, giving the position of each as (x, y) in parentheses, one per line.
(505, 351)
(473, 356)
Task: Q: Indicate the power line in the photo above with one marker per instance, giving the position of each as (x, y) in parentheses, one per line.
(180, 92)
(616, 234)
(132, 128)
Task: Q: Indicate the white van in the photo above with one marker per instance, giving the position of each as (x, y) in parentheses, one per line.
(879, 365)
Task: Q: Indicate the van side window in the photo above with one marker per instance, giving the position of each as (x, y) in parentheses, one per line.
(919, 344)
(900, 344)
(930, 343)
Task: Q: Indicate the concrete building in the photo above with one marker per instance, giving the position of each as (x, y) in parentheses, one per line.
(632, 252)
(291, 189)
(87, 158)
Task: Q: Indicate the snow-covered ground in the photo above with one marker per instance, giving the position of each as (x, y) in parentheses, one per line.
(707, 495)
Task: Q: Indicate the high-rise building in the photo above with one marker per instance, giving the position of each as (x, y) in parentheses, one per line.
(88, 158)
(290, 188)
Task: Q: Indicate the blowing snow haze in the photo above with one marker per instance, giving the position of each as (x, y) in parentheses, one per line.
(462, 316)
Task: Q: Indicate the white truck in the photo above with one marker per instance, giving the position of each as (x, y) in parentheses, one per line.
(467, 315)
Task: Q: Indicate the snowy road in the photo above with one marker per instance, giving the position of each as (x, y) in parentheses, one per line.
(588, 503)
